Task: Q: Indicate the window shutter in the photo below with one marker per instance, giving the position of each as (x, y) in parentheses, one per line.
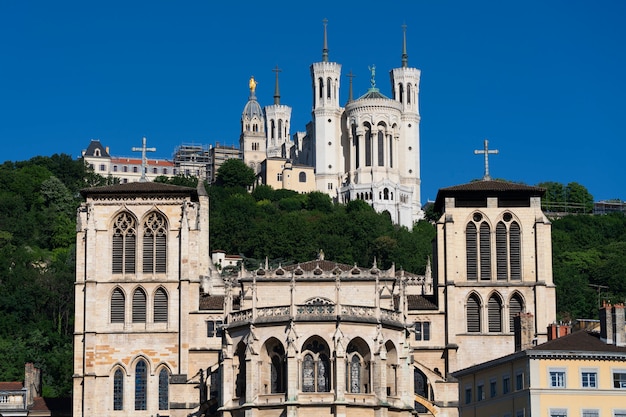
(515, 307)
(139, 306)
(501, 252)
(160, 306)
(516, 251)
(471, 251)
(485, 251)
(495, 315)
(473, 315)
(117, 306)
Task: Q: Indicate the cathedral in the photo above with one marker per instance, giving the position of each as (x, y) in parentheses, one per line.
(161, 331)
(367, 149)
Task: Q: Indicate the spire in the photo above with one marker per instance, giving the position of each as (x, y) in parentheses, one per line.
(405, 57)
(276, 90)
(325, 49)
(350, 97)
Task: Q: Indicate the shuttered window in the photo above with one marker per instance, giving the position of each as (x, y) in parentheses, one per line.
(123, 244)
(139, 306)
(117, 306)
(515, 307)
(471, 251)
(494, 313)
(502, 264)
(154, 244)
(160, 306)
(515, 251)
(485, 251)
(473, 314)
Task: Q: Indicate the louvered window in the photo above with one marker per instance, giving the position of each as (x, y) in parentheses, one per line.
(164, 390)
(117, 306)
(154, 244)
(502, 264)
(516, 251)
(471, 251)
(160, 306)
(473, 314)
(485, 252)
(495, 314)
(515, 307)
(141, 382)
(123, 244)
(139, 306)
(118, 390)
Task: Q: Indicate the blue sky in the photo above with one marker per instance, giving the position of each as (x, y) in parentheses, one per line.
(543, 81)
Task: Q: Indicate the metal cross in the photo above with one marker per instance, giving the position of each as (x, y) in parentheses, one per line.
(486, 151)
(144, 159)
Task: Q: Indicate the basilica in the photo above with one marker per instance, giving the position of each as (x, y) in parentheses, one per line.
(161, 331)
(367, 149)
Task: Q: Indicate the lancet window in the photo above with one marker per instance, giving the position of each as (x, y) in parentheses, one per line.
(124, 244)
(316, 368)
(154, 243)
(478, 248)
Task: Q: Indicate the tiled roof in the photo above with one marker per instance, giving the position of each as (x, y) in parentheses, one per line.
(487, 188)
(211, 302)
(137, 161)
(11, 386)
(579, 341)
(139, 188)
(420, 302)
(493, 185)
(55, 406)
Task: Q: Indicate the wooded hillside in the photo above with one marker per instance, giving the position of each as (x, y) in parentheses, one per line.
(38, 201)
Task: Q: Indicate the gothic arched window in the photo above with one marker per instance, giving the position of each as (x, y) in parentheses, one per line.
(302, 177)
(494, 313)
(118, 306)
(473, 314)
(516, 306)
(164, 388)
(160, 306)
(118, 390)
(508, 249)
(354, 374)
(141, 385)
(154, 243)
(139, 306)
(123, 244)
(478, 248)
(316, 367)
(328, 88)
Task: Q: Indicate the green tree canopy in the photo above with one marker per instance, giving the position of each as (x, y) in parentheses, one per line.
(235, 173)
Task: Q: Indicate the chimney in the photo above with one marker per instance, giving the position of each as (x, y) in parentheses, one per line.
(32, 383)
(556, 330)
(524, 328)
(612, 322)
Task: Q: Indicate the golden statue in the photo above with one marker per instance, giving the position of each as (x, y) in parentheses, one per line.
(252, 84)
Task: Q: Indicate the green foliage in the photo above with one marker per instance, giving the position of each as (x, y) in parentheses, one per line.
(588, 263)
(38, 201)
(572, 198)
(235, 173)
(181, 180)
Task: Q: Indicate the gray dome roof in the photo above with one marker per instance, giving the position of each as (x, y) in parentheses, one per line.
(252, 108)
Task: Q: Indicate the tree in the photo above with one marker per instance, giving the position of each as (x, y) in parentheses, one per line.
(235, 173)
(579, 198)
